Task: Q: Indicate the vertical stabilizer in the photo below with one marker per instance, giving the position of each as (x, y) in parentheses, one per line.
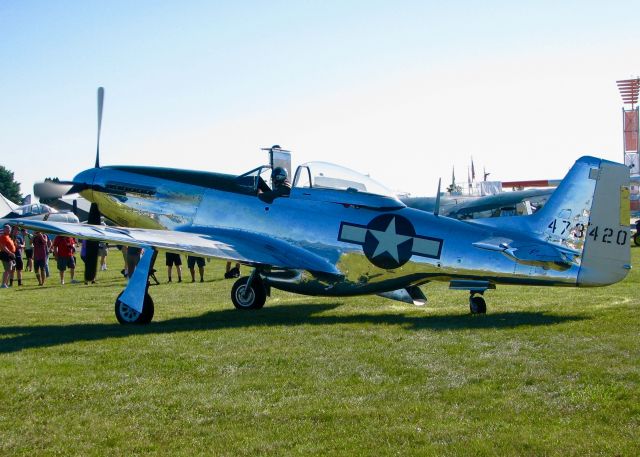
(589, 214)
(6, 206)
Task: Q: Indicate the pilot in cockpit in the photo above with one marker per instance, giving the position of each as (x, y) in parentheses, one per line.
(281, 186)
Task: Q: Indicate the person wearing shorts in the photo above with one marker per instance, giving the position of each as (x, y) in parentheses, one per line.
(18, 242)
(63, 248)
(133, 258)
(28, 248)
(7, 255)
(103, 252)
(174, 259)
(191, 263)
(40, 254)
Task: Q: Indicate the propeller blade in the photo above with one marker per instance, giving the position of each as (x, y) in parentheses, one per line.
(100, 105)
(50, 189)
(91, 256)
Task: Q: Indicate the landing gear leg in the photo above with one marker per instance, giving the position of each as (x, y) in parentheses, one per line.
(477, 305)
(134, 305)
(249, 292)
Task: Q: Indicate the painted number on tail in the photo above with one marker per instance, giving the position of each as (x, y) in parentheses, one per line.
(605, 235)
(608, 235)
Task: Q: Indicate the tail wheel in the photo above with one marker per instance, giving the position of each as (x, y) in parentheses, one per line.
(246, 297)
(129, 316)
(477, 305)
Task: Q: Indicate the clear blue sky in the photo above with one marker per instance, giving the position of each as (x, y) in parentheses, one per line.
(400, 90)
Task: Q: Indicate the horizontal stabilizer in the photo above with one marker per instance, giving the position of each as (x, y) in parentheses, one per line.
(531, 252)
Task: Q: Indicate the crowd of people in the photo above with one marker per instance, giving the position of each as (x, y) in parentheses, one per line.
(35, 248)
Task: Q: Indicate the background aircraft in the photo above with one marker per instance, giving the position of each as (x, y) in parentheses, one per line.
(37, 211)
(340, 233)
(514, 203)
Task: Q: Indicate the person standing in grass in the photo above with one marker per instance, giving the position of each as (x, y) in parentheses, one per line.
(191, 263)
(63, 249)
(40, 254)
(174, 259)
(133, 258)
(103, 252)
(28, 248)
(7, 255)
(18, 242)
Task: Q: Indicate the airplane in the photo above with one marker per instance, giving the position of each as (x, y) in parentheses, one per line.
(38, 211)
(340, 233)
(472, 207)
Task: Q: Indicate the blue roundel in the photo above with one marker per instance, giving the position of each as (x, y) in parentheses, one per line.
(389, 241)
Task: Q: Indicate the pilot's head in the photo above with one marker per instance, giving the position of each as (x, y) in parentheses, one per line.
(280, 175)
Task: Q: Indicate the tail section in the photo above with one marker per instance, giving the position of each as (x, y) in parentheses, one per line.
(6, 206)
(589, 213)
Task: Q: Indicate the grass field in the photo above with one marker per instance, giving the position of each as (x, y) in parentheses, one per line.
(548, 371)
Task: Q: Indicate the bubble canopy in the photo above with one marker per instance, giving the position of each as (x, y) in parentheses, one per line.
(325, 175)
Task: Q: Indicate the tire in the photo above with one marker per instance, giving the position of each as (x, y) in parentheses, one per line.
(477, 305)
(636, 239)
(129, 316)
(255, 297)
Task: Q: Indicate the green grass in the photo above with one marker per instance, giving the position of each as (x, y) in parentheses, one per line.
(548, 371)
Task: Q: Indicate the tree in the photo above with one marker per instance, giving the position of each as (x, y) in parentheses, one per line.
(9, 187)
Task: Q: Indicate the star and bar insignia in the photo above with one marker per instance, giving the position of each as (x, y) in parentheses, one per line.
(390, 240)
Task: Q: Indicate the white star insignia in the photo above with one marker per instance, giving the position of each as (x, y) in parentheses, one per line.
(389, 240)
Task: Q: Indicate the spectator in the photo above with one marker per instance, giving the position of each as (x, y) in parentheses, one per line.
(7, 255)
(103, 252)
(83, 256)
(232, 272)
(191, 263)
(40, 254)
(49, 251)
(18, 243)
(63, 249)
(174, 259)
(133, 257)
(28, 248)
(123, 250)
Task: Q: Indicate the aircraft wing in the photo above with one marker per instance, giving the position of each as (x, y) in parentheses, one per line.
(242, 246)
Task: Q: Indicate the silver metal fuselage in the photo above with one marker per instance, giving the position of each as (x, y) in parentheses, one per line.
(312, 219)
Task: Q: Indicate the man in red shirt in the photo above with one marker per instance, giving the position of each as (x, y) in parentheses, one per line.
(63, 248)
(7, 255)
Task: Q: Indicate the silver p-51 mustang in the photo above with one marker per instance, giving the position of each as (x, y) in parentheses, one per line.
(339, 233)
(336, 232)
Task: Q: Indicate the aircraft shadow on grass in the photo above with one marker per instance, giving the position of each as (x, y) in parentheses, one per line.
(16, 338)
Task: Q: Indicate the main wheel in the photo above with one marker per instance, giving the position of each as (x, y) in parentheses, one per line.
(251, 298)
(477, 305)
(636, 239)
(127, 315)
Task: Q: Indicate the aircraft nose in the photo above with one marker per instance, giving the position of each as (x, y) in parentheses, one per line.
(83, 182)
(85, 177)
